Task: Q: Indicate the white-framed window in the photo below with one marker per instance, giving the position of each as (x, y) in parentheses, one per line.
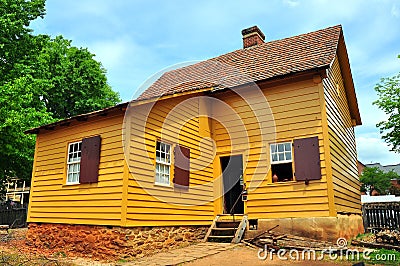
(281, 153)
(163, 163)
(74, 162)
(281, 161)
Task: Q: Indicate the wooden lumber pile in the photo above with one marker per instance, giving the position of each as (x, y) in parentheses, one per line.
(388, 237)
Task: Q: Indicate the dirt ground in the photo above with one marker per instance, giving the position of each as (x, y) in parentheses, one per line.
(242, 255)
(15, 252)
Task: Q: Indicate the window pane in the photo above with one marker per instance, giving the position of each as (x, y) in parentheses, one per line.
(280, 147)
(158, 146)
(288, 155)
(76, 177)
(281, 157)
(273, 148)
(288, 147)
(164, 169)
(274, 157)
(167, 172)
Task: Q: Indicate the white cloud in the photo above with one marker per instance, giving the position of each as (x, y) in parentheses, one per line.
(291, 3)
(110, 52)
(371, 149)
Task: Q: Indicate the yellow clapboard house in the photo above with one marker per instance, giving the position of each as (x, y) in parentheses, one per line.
(266, 131)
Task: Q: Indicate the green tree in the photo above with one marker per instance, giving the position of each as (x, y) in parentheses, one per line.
(19, 112)
(72, 75)
(389, 101)
(42, 79)
(374, 178)
(16, 41)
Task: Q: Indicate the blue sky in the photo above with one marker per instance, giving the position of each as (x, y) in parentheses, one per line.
(135, 39)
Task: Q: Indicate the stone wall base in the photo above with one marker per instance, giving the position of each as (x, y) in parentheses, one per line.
(103, 242)
(320, 228)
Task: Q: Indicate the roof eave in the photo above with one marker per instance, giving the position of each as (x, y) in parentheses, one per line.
(81, 117)
(348, 80)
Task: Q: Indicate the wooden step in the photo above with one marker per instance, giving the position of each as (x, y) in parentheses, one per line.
(225, 231)
(227, 224)
(224, 228)
(225, 237)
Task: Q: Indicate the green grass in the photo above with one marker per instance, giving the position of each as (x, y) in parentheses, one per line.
(361, 236)
(385, 257)
(382, 257)
(17, 259)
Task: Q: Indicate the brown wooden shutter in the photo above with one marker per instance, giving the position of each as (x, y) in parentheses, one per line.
(90, 159)
(182, 167)
(306, 159)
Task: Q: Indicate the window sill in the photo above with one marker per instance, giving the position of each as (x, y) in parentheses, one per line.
(162, 185)
(72, 184)
(283, 182)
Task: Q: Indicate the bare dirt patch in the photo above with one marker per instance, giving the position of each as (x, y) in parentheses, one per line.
(242, 255)
(14, 251)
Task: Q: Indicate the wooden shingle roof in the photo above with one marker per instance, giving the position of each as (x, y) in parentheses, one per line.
(314, 50)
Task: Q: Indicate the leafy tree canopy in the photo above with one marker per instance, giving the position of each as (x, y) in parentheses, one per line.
(16, 42)
(374, 178)
(389, 101)
(42, 79)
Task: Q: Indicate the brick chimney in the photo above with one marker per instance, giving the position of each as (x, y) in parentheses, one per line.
(252, 36)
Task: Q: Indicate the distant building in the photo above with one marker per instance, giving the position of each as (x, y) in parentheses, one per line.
(360, 167)
(17, 191)
(387, 168)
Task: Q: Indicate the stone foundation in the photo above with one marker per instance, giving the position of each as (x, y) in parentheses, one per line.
(320, 228)
(103, 242)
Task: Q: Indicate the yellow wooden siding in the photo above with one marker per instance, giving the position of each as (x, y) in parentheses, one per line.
(126, 194)
(296, 112)
(52, 201)
(342, 144)
(175, 121)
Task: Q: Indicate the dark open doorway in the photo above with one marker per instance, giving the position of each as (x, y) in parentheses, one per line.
(232, 176)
